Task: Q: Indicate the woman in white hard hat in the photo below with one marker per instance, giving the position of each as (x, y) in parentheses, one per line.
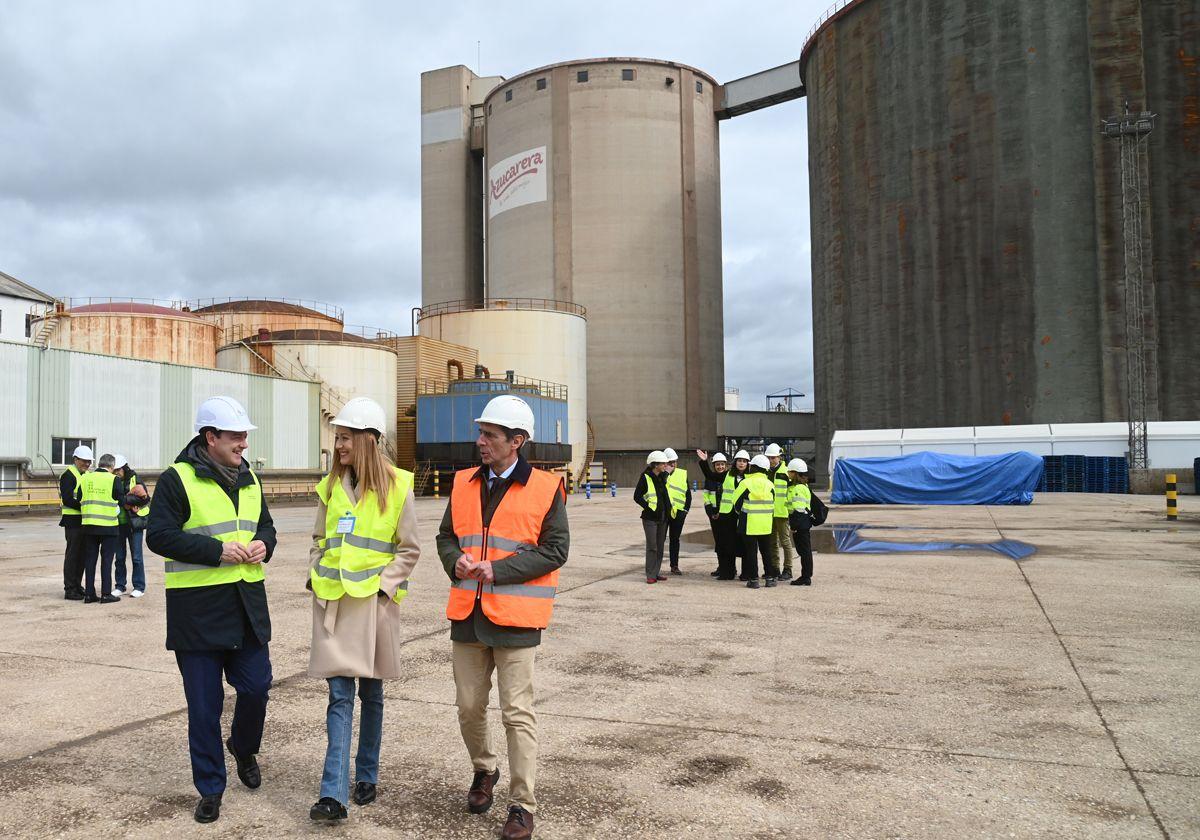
(719, 485)
(651, 496)
(364, 548)
(755, 509)
(799, 519)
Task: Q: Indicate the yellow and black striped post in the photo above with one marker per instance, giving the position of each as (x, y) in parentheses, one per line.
(570, 486)
(1172, 501)
(437, 484)
(605, 476)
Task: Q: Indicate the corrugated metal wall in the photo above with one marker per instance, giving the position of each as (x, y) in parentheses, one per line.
(143, 410)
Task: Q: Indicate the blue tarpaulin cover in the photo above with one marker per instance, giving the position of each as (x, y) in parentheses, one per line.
(935, 478)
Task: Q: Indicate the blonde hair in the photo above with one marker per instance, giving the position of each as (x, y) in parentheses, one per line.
(371, 468)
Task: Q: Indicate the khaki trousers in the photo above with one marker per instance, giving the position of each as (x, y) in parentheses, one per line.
(473, 666)
(781, 542)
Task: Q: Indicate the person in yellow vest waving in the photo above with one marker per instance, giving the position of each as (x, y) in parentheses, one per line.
(502, 541)
(210, 521)
(99, 500)
(364, 548)
(680, 493)
(72, 522)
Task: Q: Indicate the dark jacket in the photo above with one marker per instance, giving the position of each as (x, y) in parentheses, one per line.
(663, 511)
(207, 617)
(554, 541)
(68, 494)
(104, 530)
(711, 475)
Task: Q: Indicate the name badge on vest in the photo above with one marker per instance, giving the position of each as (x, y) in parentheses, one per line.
(345, 524)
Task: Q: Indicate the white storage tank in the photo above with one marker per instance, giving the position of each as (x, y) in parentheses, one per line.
(544, 340)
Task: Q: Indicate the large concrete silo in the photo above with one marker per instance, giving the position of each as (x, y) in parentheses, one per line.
(967, 217)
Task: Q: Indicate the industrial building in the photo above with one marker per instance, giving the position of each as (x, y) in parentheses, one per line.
(969, 257)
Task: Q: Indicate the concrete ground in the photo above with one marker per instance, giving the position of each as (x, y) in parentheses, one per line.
(922, 695)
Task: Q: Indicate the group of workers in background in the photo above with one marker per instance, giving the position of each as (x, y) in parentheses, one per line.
(758, 507)
(104, 512)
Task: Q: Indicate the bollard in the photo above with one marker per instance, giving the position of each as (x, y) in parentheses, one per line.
(613, 488)
(1172, 500)
(437, 488)
(695, 487)
(570, 485)
(604, 477)
(587, 488)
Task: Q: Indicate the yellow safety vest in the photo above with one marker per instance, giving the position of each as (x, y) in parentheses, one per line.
(352, 562)
(144, 510)
(651, 492)
(70, 511)
(677, 490)
(799, 497)
(729, 492)
(214, 515)
(759, 506)
(781, 491)
(97, 506)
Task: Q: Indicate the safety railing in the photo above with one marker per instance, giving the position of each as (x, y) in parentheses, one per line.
(523, 384)
(419, 313)
(318, 306)
(116, 303)
(825, 17)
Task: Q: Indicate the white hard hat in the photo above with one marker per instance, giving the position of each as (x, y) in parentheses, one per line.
(362, 413)
(120, 461)
(508, 411)
(761, 462)
(657, 457)
(773, 450)
(797, 465)
(225, 414)
(719, 458)
(671, 454)
(83, 453)
(741, 454)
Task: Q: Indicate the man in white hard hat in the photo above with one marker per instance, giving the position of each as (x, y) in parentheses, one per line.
(781, 534)
(680, 493)
(502, 541)
(210, 520)
(799, 508)
(71, 521)
(100, 495)
(651, 494)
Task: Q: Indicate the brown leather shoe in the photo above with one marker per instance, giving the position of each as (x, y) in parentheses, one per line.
(479, 797)
(519, 825)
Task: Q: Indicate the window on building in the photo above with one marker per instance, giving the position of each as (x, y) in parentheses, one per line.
(61, 449)
(699, 87)
(10, 478)
(581, 76)
(28, 326)
(508, 96)
(541, 84)
(627, 74)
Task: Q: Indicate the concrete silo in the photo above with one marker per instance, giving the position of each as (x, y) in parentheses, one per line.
(967, 238)
(602, 189)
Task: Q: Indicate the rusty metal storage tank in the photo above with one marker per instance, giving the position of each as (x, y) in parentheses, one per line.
(967, 244)
(133, 329)
(242, 317)
(602, 190)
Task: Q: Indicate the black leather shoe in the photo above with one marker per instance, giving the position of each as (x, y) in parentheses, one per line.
(247, 768)
(72, 596)
(770, 582)
(752, 584)
(208, 808)
(717, 573)
(675, 570)
(364, 793)
(109, 599)
(327, 809)
(90, 599)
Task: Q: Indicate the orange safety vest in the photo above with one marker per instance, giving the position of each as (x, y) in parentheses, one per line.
(515, 527)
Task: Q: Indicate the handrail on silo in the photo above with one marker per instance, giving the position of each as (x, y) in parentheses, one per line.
(829, 14)
(329, 309)
(502, 304)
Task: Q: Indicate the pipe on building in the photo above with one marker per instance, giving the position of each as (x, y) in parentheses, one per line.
(455, 363)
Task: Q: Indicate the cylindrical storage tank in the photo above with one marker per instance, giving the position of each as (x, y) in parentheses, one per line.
(967, 237)
(135, 330)
(548, 344)
(239, 318)
(345, 364)
(603, 190)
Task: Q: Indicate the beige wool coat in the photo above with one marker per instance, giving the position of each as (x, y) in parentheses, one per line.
(360, 637)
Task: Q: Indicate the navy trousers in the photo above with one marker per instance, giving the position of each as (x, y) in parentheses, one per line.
(249, 672)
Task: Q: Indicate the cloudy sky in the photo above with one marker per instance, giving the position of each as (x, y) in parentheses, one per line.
(181, 150)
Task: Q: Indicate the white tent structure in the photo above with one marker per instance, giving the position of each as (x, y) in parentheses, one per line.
(1171, 444)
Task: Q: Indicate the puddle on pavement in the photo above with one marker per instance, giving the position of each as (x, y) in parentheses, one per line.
(850, 539)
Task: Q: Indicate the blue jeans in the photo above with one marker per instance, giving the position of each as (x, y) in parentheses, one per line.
(134, 539)
(339, 720)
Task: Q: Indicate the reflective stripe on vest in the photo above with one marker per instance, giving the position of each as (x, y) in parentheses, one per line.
(710, 497)
(515, 527)
(70, 511)
(781, 492)
(677, 490)
(352, 563)
(799, 497)
(651, 496)
(97, 506)
(759, 505)
(729, 493)
(213, 515)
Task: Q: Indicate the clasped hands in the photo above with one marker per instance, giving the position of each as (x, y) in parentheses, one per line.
(468, 569)
(236, 552)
